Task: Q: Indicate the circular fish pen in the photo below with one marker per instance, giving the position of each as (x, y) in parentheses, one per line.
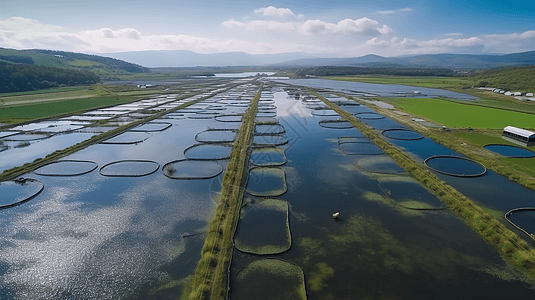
(269, 140)
(359, 148)
(263, 227)
(151, 127)
(266, 121)
(67, 168)
(216, 136)
(268, 157)
(208, 152)
(192, 169)
(266, 182)
(266, 114)
(127, 138)
(402, 134)
(229, 118)
(510, 151)
(325, 113)
(26, 137)
(268, 279)
(455, 166)
(269, 129)
(336, 124)
(523, 219)
(18, 191)
(369, 116)
(129, 168)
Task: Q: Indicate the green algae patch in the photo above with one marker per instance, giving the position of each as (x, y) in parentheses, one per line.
(171, 289)
(266, 182)
(267, 157)
(321, 273)
(410, 193)
(270, 279)
(264, 228)
(380, 164)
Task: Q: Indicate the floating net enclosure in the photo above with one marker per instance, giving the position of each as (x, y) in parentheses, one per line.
(455, 166)
(269, 279)
(26, 137)
(523, 219)
(402, 134)
(208, 152)
(266, 107)
(336, 124)
(192, 169)
(67, 168)
(359, 148)
(269, 129)
(4, 134)
(263, 227)
(18, 191)
(266, 114)
(268, 157)
(510, 151)
(266, 121)
(266, 182)
(229, 118)
(129, 168)
(151, 127)
(409, 193)
(269, 140)
(369, 116)
(325, 112)
(380, 164)
(127, 138)
(216, 136)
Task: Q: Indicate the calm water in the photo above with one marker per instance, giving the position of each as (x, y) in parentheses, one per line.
(97, 237)
(377, 249)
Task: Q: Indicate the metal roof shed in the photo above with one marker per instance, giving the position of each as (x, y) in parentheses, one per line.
(518, 135)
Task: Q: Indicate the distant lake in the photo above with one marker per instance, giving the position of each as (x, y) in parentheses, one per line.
(382, 90)
(244, 74)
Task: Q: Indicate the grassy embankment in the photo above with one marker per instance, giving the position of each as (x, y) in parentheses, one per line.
(28, 167)
(509, 244)
(210, 280)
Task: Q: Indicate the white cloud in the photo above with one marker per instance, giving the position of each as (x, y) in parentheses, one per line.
(393, 12)
(287, 21)
(355, 38)
(278, 13)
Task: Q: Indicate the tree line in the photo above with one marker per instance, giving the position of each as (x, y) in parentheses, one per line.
(23, 77)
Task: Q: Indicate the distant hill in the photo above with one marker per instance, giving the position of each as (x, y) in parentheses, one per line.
(510, 79)
(104, 67)
(183, 58)
(452, 61)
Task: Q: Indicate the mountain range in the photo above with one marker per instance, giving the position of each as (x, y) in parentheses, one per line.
(183, 58)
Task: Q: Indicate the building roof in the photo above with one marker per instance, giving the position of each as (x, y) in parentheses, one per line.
(519, 131)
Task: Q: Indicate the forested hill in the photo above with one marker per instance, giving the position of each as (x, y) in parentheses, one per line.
(104, 67)
(516, 78)
(24, 77)
(27, 70)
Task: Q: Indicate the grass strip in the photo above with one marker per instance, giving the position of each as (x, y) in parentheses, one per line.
(512, 248)
(39, 162)
(210, 280)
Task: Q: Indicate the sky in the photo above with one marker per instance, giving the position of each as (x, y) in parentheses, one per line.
(335, 28)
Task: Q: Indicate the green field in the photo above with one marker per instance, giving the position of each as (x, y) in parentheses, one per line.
(28, 112)
(454, 114)
(430, 82)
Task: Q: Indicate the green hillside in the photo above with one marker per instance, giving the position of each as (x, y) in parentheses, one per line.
(104, 67)
(515, 78)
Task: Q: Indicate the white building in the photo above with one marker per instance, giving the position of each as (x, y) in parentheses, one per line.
(519, 136)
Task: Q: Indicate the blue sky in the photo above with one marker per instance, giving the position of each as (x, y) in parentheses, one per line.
(336, 28)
